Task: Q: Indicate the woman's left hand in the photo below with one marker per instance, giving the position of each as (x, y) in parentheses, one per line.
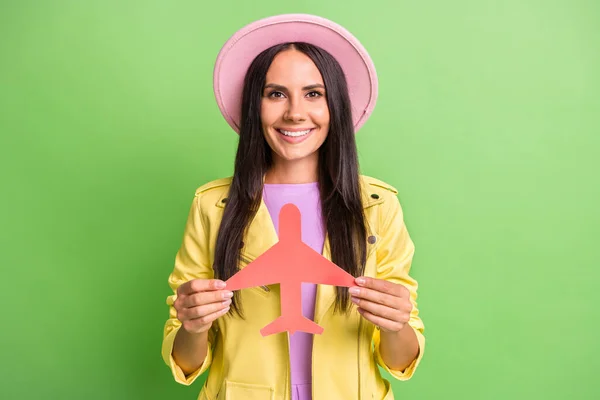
(385, 304)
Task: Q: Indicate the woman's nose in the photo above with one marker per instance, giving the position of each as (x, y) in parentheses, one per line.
(294, 111)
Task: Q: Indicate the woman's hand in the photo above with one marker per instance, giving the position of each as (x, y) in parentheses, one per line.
(385, 304)
(200, 302)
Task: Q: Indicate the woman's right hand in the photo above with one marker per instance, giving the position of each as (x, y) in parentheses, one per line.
(200, 302)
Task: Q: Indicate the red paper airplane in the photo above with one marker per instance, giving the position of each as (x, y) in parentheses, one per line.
(290, 262)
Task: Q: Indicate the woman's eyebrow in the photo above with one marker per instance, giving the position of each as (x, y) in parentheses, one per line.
(284, 89)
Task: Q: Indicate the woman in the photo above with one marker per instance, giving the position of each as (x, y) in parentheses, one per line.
(297, 124)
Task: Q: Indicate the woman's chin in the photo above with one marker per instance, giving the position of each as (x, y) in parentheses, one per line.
(293, 156)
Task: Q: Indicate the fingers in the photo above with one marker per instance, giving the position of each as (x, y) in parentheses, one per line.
(201, 298)
(199, 303)
(376, 296)
(381, 285)
(392, 314)
(200, 285)
(381, 304)
(383, 323)
(200, 324)
(202, 312)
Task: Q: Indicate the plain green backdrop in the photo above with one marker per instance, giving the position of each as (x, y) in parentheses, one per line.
(487, 122)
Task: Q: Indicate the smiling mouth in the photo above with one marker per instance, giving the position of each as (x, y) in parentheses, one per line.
(295, 134)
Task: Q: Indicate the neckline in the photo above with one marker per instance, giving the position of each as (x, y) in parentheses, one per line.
(298, 185)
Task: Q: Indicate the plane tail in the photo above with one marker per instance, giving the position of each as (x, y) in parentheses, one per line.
(284, 323)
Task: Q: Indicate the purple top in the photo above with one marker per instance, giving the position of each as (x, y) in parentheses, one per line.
(305, 196)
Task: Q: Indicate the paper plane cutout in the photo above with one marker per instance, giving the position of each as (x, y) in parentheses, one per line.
(290, 262)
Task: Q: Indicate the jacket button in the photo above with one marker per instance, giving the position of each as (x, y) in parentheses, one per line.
(375, 196)
(224, 200)
(371, 239)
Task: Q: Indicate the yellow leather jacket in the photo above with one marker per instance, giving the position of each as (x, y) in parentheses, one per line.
(243, 364)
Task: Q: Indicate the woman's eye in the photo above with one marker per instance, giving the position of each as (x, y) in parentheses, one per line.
(278, 95)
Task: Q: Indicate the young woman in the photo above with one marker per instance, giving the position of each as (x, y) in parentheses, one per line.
(306, 85)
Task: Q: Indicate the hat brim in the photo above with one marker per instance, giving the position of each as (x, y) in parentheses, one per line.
(240, 50)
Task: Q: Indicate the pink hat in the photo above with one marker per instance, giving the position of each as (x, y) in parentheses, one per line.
(238, 52)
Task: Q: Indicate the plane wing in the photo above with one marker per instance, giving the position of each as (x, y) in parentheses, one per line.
(318, 269)
(261, 271)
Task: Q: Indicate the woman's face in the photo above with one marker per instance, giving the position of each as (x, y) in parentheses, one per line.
(294, 112)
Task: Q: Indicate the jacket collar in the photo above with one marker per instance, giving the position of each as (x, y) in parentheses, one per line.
(368, 197)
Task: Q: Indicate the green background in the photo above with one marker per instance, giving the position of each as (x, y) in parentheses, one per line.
(487, 122)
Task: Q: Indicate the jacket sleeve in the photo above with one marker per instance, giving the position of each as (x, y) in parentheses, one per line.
(191, 262)
(394, 256)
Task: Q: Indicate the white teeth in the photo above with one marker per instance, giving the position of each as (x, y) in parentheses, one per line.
(294, 134)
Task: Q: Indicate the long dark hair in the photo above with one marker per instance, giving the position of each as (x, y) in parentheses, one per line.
(338, 173)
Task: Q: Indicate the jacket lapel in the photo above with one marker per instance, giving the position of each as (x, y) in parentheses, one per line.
(261, 234)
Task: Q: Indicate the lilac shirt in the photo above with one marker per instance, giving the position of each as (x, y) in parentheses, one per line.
(306, 197)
